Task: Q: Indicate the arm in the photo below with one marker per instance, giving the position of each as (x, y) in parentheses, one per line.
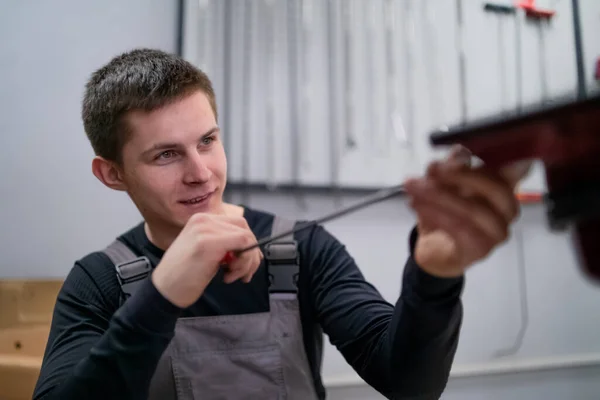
(92, 354)
(402, 350)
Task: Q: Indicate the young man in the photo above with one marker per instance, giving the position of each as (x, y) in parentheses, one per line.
(197, 329)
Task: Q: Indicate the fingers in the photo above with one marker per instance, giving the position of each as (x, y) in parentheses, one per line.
(483, 184)
(254, 265)
(234, 220)
(237, 269)
(243, 267)
(516, 172)
(486, 220)
(235, 236)
(473, 206)
(469, 242)
(460, 155)
(203, 222)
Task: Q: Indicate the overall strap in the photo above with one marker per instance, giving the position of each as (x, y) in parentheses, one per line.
(282, 257)
(131, 270)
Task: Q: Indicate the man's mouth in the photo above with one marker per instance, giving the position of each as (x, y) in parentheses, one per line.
(196, 200)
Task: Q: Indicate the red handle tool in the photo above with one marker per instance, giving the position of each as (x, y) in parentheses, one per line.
(229, 257)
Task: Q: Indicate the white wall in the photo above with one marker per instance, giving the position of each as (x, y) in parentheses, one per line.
(51, 202)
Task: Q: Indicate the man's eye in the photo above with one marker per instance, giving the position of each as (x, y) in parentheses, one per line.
(207, 140)
(165, 155)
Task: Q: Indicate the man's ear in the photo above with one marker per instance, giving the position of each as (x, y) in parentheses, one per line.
(109, 173)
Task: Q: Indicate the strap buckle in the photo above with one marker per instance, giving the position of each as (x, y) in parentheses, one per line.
(131, 274)
(283, 266)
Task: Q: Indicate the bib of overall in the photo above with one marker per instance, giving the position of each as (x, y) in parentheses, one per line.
(249, 356)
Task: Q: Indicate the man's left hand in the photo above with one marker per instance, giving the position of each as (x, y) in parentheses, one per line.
(463, 213)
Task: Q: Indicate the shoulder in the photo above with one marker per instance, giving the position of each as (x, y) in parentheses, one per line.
(318, 246)
(259, 221)
(91, 285)
(93, 277)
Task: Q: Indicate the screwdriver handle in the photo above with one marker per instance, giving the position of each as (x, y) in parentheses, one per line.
(229, 257)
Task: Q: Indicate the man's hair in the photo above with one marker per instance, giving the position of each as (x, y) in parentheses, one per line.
(141, 79)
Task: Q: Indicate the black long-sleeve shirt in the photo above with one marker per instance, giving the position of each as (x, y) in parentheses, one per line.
(98, 350)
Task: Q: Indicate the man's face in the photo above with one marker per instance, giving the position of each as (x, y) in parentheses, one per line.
(174, 164)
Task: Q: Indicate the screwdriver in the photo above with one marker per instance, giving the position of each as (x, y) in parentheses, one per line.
(377, 197)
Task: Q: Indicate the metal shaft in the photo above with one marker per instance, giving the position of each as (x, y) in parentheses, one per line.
(377, 197)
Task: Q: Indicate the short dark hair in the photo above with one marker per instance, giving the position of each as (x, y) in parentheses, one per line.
(140, 79)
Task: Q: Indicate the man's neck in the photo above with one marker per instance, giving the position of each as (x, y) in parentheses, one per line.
(162, 236)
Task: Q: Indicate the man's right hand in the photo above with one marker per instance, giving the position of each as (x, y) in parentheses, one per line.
(194, 258)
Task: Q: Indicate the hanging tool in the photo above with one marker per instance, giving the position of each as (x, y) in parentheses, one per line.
(227, 115)
(270, 35)
(334, 162)
(294, 94)
(348, 13)
(372, 128)
(597, 73)
(533, 12)
(542, 18)
(499, 8)
(305, 40)
(408, 36)
(394, 126)
(524, 303)
(579, 57)
(377, 197)
(205, 48)
(248, 12)
(518, 64)
(431, 48)
(502, 11)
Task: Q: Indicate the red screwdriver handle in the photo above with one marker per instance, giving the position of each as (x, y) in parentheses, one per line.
(229, 257)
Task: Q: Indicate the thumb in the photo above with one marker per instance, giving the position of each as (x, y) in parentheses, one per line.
(516, 172)
(460, 154)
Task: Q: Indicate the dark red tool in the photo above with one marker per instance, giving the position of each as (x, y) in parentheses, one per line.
(597, 73)
(566, 138)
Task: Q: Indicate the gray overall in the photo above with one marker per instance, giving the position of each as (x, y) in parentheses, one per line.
(250, 356)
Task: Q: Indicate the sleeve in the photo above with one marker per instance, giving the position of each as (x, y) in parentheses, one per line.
(94, 354)
(404, 350)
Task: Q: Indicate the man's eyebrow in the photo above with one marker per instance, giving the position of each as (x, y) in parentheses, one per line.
(167, 145)
(212, 131)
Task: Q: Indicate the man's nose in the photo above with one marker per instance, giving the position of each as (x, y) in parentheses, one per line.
(197, 170)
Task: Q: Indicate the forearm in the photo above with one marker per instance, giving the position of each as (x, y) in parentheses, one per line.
(400, 350)
(119, 364)
(423, 333)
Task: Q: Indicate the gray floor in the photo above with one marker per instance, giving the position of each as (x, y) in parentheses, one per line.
(571, 384)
